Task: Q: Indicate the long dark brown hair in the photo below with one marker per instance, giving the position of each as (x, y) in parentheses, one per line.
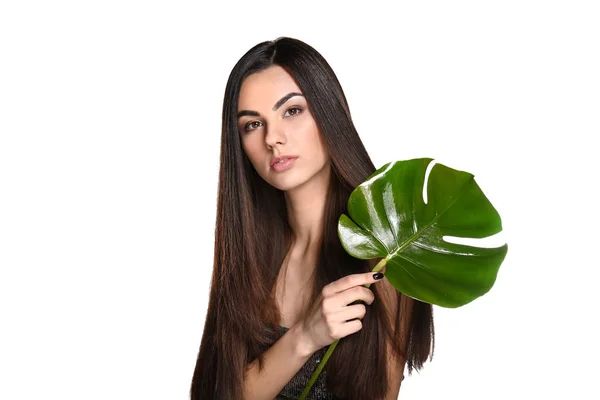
(242, 300)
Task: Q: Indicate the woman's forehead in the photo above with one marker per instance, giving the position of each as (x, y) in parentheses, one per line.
(263, 89)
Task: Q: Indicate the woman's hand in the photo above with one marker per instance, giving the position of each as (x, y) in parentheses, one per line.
(328, 320)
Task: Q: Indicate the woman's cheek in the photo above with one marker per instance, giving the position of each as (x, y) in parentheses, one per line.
(304, 127)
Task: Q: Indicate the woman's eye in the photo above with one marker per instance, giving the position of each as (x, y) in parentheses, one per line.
(294, 108)
(249, 125)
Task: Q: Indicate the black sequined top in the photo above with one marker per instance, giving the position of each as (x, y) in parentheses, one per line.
(294, 388)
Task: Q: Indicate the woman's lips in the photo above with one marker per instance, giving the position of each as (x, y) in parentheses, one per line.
(284, 166)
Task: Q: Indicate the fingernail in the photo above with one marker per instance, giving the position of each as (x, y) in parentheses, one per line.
(378, 275)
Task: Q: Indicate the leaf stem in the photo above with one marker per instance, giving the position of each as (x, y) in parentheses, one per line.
(333, 345)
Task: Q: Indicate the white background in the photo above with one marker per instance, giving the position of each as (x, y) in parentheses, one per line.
(110, 119)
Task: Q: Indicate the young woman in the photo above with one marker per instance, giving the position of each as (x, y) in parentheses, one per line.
(282, 285)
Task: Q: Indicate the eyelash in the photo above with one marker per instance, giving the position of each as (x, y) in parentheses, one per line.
(291, 108)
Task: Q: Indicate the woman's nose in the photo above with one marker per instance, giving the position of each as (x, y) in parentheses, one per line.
(274, 135)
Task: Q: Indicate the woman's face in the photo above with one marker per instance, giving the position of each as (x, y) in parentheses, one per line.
(273, 124)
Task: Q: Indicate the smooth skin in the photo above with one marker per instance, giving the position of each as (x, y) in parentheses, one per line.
(334, 318)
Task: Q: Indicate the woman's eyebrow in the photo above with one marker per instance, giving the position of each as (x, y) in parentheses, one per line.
(275, 107)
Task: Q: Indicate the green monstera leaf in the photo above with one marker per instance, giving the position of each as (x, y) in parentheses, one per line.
(389, 219)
